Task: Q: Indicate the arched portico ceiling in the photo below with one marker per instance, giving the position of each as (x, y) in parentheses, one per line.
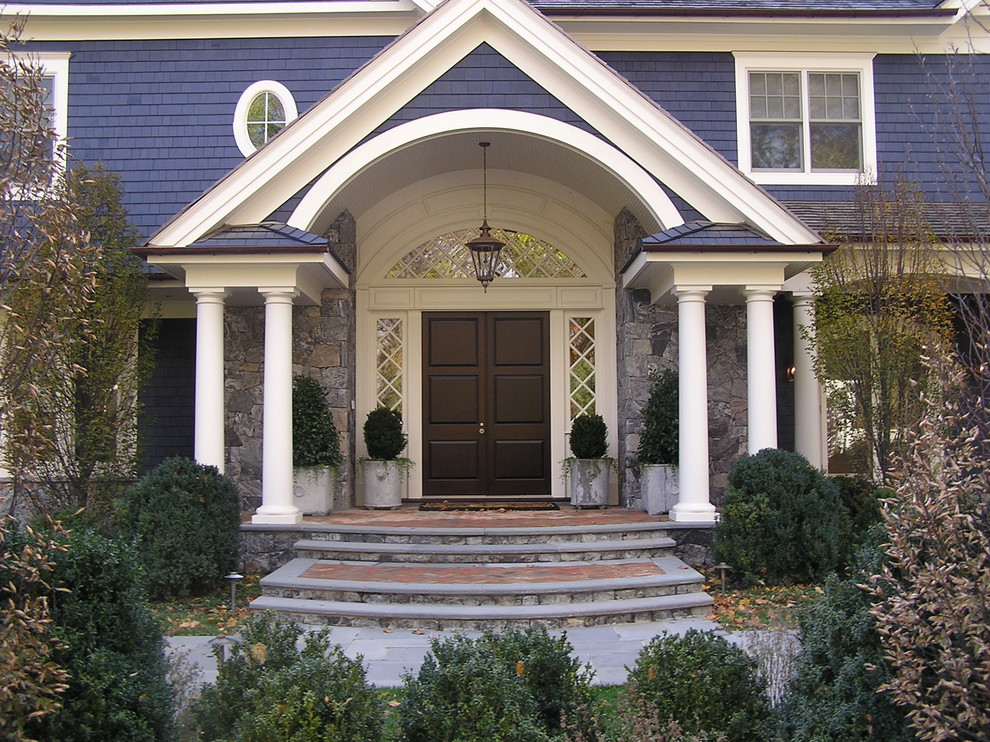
(633, 124)
(522, 143)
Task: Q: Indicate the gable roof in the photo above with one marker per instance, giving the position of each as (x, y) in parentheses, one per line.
(629, 120)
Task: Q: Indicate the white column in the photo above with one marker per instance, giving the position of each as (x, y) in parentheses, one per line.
(809, 413)
(208, 447)
(761, 369)
(693, 502)
(276, 452)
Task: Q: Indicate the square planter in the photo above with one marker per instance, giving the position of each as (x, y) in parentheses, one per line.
(312, 489)
(658, 488)
(381, 483)
(588, 482)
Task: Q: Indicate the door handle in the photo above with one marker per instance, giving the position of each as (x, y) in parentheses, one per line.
(482, 431)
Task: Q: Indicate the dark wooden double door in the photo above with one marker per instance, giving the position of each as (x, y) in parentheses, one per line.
(486, 403)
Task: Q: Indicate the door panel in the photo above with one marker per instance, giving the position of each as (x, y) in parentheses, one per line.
(487, 403)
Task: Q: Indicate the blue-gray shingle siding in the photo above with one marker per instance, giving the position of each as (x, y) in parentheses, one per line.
(160, 113)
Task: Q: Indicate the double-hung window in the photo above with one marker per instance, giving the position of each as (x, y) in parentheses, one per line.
(54, 87)
(806, 120)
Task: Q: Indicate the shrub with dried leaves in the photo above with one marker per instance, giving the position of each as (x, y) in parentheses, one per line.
(31, 680)
(934, 616)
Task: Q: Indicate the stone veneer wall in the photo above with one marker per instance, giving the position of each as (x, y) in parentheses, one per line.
(647, 342)
(322, 347)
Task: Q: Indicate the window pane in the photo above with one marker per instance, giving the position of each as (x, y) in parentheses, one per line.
(836, 147)
(256, 111)
(256, 133)
(833, 96)
(776, 146)
(276, 111)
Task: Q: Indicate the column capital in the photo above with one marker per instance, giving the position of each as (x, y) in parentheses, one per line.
(803, 298)
(757, 292)
(691, 292)
(207, 294)
(276, 292)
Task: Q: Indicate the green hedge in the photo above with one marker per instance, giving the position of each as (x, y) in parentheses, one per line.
(185, 519)
(782, 521)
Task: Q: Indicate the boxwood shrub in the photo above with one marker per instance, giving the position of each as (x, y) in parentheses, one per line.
(269, 689)
(782, 521)
(184, 518)
(112, 647)
(511, 686)
(707, 685)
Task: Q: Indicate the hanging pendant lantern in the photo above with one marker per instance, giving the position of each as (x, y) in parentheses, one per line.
(485, 248)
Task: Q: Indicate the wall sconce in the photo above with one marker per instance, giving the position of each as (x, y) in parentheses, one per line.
(789, 373)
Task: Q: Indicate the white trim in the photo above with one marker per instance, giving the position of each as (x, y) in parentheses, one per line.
(632, 176)
(252, 91)
(633, 123)
(804, 62)
(56, 66)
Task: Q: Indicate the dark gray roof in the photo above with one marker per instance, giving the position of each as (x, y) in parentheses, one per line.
(705, 6)
(267, 235)
(846, 219)
(760, 7)
(705, 234)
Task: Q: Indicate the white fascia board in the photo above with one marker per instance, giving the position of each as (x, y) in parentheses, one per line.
(209, 20)
(631, 121)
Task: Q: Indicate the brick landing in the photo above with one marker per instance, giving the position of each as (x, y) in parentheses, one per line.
(410, 516)
(480, 574)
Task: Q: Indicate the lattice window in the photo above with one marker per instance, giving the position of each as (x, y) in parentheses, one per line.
(388, 364)
(582, 366)
(447, 256)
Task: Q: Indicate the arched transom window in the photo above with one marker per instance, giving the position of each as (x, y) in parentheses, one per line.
(447, 256)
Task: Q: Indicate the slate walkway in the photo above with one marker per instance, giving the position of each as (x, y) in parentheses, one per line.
(387, 653)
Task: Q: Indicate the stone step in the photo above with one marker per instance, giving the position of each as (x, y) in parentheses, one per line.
(491, 535)
(568, 551)
(433, 617)
(517, 584)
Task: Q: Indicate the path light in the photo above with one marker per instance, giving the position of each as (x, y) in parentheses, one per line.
(722, 569)
(234, 579)
(484, 248)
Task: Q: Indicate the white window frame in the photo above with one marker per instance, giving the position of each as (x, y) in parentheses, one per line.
(56, 66)
(277, 89)
(862, 64)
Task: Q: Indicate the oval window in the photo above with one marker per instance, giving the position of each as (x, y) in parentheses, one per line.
(263, 110)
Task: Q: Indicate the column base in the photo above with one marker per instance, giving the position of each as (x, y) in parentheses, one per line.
(693, 514)
(277, 518)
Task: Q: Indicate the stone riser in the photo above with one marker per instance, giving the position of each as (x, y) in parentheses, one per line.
(453, 536)
(496, 624)
(585, 551)
(577, 595)
(492, 558)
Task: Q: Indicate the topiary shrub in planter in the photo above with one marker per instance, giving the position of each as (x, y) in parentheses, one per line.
(383, 470)
(496, 688)
(782, 521)
(706, 684)
(659, 448)
(111, 646)
(185, 519)
(268, 689)
(588, 469)
(316, 456)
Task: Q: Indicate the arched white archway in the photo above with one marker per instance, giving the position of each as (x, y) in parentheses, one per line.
(634, 178)
(445, 203)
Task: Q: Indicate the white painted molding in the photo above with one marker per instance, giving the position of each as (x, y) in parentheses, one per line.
(637, 180)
